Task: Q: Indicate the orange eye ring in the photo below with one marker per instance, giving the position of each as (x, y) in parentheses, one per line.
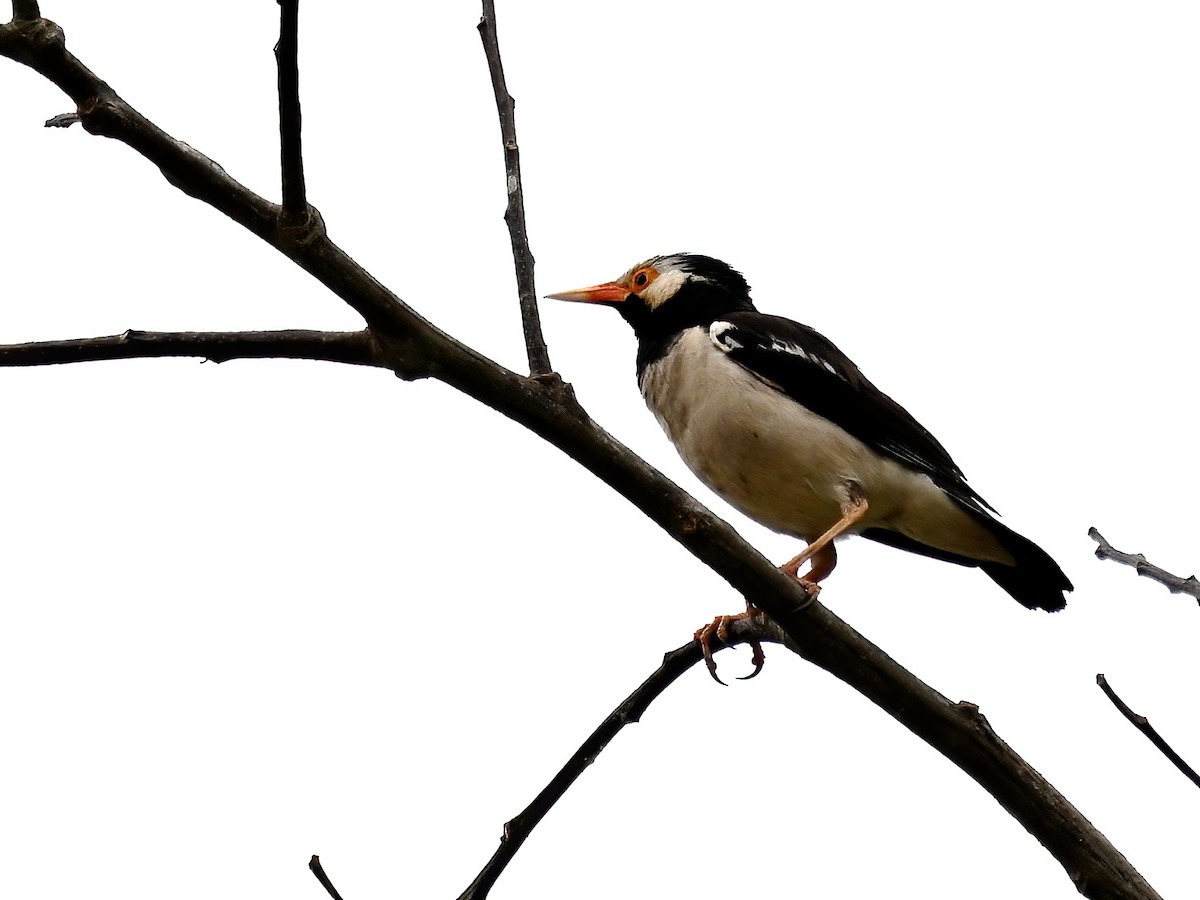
(642, 278)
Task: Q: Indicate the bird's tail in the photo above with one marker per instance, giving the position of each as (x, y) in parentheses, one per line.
(1035, 580)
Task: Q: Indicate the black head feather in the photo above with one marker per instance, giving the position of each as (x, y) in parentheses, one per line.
(707, 268)
(703, 290)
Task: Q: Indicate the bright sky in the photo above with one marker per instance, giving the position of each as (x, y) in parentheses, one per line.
(265, 609)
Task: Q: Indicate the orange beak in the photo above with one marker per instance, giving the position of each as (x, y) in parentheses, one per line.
(610, 292)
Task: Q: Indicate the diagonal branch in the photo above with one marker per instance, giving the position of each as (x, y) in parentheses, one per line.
(295, 205)
(514, 215)
(414, 348)
(1142, 724)
(318, 871)
(674, 664)
(1173, 583)
(353, 347)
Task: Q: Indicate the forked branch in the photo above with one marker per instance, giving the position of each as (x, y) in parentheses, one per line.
(674, 664)
(1143, 566)
(414, 348)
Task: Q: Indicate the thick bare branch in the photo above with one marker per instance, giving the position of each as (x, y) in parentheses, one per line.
(1173, 583)
(295, 205)
(1142, 724)
(414, 348)
(353, 347)
(674, 664)
(514, 215)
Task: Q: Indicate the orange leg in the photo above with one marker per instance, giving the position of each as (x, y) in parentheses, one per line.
(821, 552)
(822, 558)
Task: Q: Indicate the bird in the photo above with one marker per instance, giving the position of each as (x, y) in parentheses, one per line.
(775, 419)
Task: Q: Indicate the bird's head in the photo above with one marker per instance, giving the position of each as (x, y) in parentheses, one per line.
(669, 293)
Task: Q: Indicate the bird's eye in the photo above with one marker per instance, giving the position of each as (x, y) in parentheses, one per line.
(641, 279)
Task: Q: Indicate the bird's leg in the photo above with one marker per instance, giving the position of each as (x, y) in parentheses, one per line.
(823, 557)
(720, 627)
(820, 564)
(821, 552)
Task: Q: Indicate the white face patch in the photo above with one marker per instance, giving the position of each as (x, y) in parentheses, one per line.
(665, 286)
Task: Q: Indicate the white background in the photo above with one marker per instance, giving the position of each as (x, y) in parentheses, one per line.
(265, 609)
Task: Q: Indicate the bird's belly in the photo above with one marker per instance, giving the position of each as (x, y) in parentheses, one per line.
(788, 468)
(763, 453)
(790, 471)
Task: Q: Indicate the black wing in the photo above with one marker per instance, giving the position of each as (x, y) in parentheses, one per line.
(807, 367)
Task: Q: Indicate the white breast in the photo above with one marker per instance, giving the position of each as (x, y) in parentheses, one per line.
(784, 466)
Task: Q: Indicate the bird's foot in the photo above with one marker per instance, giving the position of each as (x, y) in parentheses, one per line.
(810, 587)
(720, 628)
(811, 579)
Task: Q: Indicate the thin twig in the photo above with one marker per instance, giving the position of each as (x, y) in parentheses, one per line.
(1142, 724)
(26, 10)
(674, 664)
(353, 347)
(318, 870)
(514, 214)
(1173, 583)
(295, 205)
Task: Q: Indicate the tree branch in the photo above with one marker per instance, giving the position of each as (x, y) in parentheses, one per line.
(1174, 583)
(1142, 724)
(514, 215)
(25, 10)
(353, 347)
(414, 348)
(314, 866)
(295, 205)
(674, 664)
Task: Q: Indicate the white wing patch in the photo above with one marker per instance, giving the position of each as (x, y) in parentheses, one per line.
(717, 334)
(778, 346)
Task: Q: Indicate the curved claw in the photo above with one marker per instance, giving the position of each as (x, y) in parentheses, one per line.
(757, 658)
(704, 636)
(720, 627)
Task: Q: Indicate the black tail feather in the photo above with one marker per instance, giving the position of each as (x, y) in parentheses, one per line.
(1035, 580)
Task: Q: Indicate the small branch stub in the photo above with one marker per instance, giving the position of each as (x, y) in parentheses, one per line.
(314, 866)
(25, 10)
(62, 120)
